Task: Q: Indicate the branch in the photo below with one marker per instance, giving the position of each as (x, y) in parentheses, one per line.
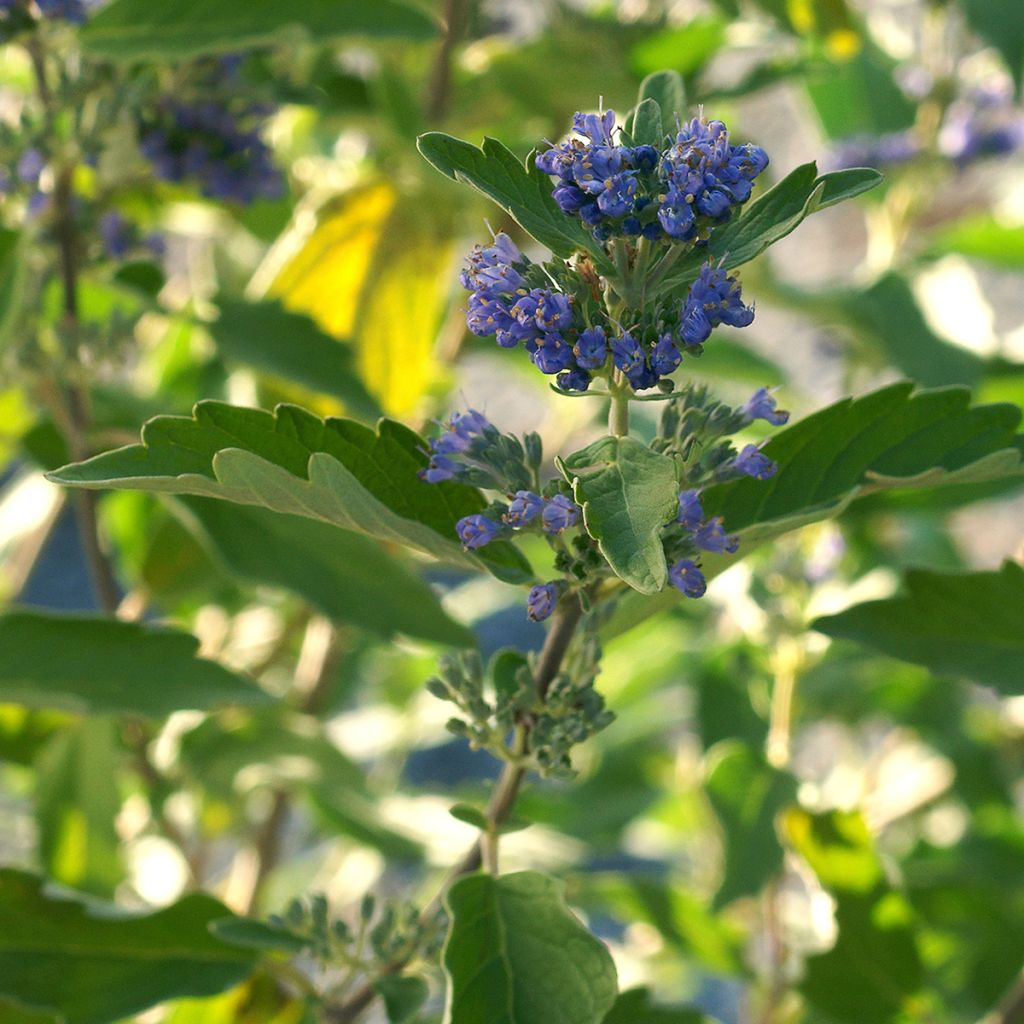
(456, 18)
(1011, 1009)
(563, 627)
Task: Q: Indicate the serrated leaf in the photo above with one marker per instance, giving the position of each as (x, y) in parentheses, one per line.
(269, 338)
(132, 30)
(337, 471)
(515, 954)
(77, 802)
(955, 624)
(524, 193)
(636, 1006)
(345, 575)
(774, 215)
(873, 971)
(627, 493)
(99, 965)
(90, 665)
(897, 437)
(747, 795)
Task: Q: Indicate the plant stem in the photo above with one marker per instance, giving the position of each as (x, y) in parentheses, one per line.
(564, 623)
(618, 414)
(456, 18)
(788, 656)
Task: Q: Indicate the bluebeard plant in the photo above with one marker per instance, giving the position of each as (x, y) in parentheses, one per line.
(647, 206)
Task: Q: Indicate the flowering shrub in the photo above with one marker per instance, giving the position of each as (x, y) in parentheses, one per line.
(371, 595)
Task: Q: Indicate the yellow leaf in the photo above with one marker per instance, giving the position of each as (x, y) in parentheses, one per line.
(374, 271)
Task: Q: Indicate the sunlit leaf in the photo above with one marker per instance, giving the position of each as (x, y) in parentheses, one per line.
(893, 438)
(873, 972)
(336, 471)
(627, 493)
(77, 801)
(685, 49)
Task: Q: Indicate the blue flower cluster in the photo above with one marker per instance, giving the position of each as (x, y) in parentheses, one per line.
(120, 237)
(700, 532)
(217, 143)
(642, 191)
(545, 321)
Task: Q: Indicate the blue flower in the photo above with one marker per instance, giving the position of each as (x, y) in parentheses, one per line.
(761, 406)
(524, 508)
(591, 348)
(491, 270)
(118, 234)
(665, 356)
(541, 601)
(573, 380)
(487, 316)
(559, 514)
(551, 353)
(676, 217)
(617, 198)
(753, 462)
(691, 511)
(711, 536)
(440, 468)
(686, 577)
(477, 530)
(31, 165)
(554, 311)
(715, 298)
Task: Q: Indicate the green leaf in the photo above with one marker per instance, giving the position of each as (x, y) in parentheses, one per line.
(523, 192)
(982, 238)
(15, 1013)
(774, 215)
(268, 337)
(335, 470)
(249, 933)
(747, 795)
(77, 802)
(98, 965)
(13, 279)
(627, 493)
(893, 438)
(470, 815)
(889, 314)
(515, 954)
(873, 972)
(859, 96)
(403, 996)
(90, 665)
(1001, 24)
(667, 90)
(645, 125)
(955, 624)
(132, 30)
(636, 1006)
(685, 49)
(345, 575)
